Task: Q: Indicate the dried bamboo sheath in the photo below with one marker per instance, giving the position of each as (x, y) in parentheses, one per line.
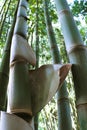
(39, 87)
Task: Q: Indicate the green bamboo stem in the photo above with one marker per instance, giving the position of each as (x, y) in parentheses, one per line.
(37, 38)
(36, 121)
(64, 119)
(19, 66)
(4, 4)
(2, 24)
(18, 100)
(21, 24)
(4, 67)
(78, 57)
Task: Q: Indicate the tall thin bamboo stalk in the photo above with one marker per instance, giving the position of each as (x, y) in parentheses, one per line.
(37, 37)
(4, 67)
(2, 23)
(4, 4)
(36, 121)
(64, 119)
(78, 57)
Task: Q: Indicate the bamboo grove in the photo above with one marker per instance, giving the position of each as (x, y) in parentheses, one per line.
(39, 44)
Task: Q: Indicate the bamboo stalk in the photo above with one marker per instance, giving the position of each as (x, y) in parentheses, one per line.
(21, 55)
(36, 118)
(64, 118)
(78, 57)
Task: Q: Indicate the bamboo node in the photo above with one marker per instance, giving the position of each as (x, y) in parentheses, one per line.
(53, 46)
(15, 111)
(63, 99)
(17, 61)
(21, 35)
(76, 47)
(24, 17)
(82, 105)
(64, 11)
(23, 6)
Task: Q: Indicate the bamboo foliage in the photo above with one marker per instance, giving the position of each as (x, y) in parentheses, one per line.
(78, 56)
(64, 119)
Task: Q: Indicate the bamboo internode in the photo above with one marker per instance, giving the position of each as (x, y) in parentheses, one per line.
(20, 49)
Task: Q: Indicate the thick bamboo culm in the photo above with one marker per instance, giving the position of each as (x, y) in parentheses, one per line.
(64, 118)
(78, 57)
(20, 51)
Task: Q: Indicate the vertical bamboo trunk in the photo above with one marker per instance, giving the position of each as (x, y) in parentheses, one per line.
(37, 37)
(64, 119)
(4, 67)
(78, 57)
(36, 121)
(19, 64)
